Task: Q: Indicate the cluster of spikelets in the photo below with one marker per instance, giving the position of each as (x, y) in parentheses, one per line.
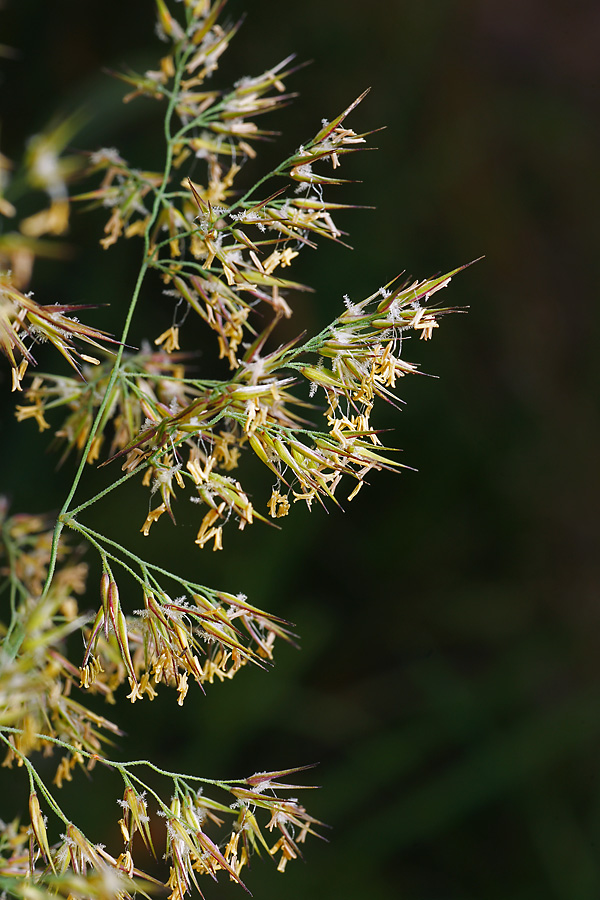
(36, 683)
(223, 252)
(207, 635)
(23, 321)
(38, 714)
(75, 867)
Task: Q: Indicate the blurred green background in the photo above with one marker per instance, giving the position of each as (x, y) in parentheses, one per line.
(449, 677)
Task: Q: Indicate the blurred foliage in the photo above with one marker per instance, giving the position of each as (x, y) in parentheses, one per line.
(459, 741)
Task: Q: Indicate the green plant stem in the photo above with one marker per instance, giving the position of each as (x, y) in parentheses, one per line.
(89, 534)
(105, 555)
(121, 767)
(77, 509)
(34, 777)
(60, 523)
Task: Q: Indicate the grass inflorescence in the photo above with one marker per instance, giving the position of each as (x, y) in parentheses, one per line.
(224, 252)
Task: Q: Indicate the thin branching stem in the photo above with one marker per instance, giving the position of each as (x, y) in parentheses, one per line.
(146, 263)
(118, 765)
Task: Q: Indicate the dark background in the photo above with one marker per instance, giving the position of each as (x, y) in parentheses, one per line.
(449, 677)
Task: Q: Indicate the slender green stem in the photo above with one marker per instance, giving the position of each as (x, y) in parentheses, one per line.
(15, 632)
(278, 170)
(128, 319)
(91, 534)
(114, 764)
(77, 509)
(34, 777)
(105, 555)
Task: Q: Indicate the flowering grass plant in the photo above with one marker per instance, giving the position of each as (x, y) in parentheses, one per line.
(223, 251)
